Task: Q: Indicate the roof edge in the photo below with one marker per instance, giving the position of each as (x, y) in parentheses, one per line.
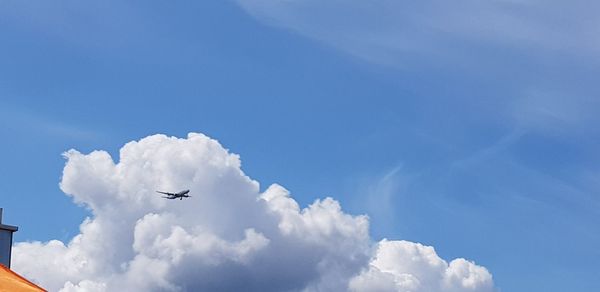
(3, 267)
(9, 227)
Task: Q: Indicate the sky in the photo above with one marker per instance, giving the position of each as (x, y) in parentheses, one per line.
(469, 127)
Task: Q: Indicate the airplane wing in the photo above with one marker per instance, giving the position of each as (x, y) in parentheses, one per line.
(170, 198)
(170, 194)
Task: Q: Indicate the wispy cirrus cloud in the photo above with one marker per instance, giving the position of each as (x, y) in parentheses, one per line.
(29, 121)
(395, 31)
(527, 54)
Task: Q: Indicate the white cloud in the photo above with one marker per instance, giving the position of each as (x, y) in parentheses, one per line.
(227, 237)
(408, 266)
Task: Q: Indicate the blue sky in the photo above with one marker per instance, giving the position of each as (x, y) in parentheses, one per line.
(469, 127)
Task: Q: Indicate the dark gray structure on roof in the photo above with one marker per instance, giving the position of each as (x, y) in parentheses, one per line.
(6, 236)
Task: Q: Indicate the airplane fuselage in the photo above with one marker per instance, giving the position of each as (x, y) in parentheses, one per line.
(179, 195)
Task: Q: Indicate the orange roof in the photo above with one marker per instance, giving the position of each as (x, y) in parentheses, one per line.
(11, 281)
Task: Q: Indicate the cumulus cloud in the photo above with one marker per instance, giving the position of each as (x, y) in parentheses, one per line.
(228, 237)
(408, 266)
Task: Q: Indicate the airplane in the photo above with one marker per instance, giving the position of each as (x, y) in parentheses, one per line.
(172, 196)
